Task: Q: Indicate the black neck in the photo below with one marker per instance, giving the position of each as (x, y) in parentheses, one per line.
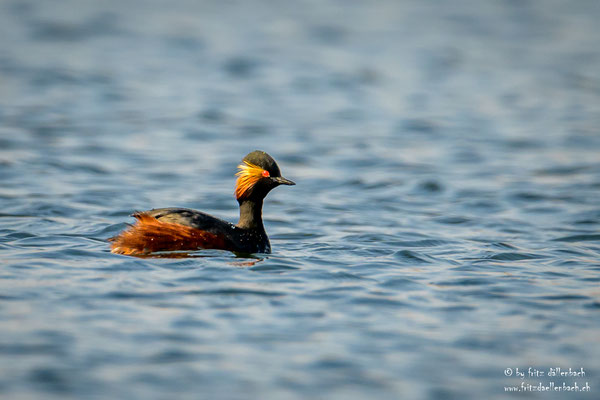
(251, 214)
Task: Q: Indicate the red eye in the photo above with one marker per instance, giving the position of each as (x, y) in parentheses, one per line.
(266, 174)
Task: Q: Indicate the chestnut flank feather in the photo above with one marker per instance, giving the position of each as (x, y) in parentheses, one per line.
(149, 235)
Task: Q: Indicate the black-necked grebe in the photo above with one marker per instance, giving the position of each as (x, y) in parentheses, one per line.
(175, 229)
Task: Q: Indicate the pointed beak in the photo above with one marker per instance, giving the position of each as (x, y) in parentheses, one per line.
(282, 181)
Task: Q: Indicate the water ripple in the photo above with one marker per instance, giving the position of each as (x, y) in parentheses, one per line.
(579, 238)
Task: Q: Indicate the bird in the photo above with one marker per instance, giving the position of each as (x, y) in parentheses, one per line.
(183, 229)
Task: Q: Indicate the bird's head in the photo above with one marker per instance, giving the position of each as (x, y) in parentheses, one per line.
(258, 174)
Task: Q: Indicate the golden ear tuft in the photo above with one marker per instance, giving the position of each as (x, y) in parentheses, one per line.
(248, 175)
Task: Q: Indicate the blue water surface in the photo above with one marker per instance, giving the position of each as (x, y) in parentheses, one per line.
(444, 230)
